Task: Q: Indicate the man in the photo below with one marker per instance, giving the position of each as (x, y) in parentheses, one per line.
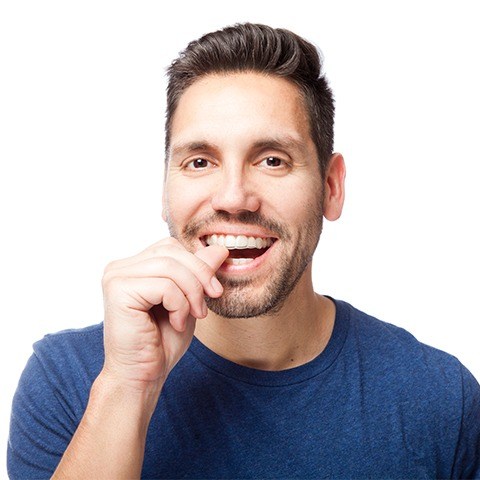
(216, 358)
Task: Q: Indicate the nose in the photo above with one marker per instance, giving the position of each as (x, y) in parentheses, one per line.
(235, 192)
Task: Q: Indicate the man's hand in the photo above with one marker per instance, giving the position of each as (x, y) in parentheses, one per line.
(152, 301)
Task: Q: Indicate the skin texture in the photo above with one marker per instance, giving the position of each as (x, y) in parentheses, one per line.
(258, 175)
(250, 165)
(235, 186)
(151, 301)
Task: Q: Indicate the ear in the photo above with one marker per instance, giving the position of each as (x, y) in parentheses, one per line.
(334, 184)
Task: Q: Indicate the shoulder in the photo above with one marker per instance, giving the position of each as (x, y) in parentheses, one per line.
(58, 375)
(423, 395)
(393, 344)
(73, 338)
(69, 360)
(50, 399)
(392, 356)
(79, 347)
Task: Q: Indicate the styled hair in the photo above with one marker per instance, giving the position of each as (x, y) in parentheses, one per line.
(259, 48)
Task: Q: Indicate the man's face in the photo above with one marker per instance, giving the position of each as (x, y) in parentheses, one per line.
(242, 163)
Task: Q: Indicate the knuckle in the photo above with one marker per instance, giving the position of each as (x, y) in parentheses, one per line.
(165, 243)
(107, 277)
(169, 287)
(205, 269)
(173, 298)
(109, 267)
(156, 251)
(110, 283)
(164, 263)
(197, 290)
(163, 250)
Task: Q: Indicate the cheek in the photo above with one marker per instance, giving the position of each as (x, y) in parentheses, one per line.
(294, 201)
(183, 201)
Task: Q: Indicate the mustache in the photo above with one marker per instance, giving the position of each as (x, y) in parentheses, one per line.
(191, 230)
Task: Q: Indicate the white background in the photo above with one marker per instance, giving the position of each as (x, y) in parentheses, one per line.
(81, 149)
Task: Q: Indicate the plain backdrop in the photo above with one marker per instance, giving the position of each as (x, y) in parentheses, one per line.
(81, 148)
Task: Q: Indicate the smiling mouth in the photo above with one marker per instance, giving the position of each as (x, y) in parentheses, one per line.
(242, 249)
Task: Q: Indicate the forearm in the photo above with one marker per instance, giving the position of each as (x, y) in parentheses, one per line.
(110, 439)
(152, 301)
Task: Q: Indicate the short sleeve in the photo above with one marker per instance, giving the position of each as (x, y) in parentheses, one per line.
(467, 458)
(41, 425)
(50, 400)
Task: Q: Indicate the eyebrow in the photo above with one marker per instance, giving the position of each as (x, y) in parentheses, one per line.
(281, 142)
(193, 147)
(288, 142)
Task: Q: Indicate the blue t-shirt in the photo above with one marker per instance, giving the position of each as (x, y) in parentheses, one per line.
(376, 403)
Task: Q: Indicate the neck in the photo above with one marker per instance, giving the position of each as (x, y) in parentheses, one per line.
(295, 335)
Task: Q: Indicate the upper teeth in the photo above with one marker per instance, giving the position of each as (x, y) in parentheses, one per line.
(238, 241)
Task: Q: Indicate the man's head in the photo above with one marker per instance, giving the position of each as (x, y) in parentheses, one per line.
(258, 48)
(243, 164)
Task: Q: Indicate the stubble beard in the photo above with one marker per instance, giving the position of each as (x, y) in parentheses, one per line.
(246, 297)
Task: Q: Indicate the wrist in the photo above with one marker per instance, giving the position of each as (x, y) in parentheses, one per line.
(138, 396)
(117, 415)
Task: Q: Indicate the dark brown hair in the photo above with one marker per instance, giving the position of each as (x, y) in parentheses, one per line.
(258, 48)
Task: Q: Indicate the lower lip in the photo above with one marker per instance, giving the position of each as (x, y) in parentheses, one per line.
(246, 267)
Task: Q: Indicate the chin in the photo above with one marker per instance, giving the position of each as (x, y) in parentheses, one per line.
(247, 302)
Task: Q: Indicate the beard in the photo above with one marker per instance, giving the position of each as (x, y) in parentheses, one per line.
(251, 296)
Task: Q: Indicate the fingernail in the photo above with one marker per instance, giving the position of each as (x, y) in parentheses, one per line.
(204, 309)
(216, 285)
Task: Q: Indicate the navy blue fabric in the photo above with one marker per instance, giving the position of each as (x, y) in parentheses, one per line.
(375, 404)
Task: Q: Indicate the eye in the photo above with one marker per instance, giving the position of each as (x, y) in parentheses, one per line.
(273, 162)
(197, 164)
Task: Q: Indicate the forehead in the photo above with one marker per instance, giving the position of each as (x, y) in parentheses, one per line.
(242, 107)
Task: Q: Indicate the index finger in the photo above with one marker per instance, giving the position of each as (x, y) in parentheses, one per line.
(202, 265)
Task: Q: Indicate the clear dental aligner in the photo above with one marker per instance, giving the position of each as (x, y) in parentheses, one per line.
(238, 241)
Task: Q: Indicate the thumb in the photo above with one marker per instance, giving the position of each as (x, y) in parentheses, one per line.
(213, 255)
